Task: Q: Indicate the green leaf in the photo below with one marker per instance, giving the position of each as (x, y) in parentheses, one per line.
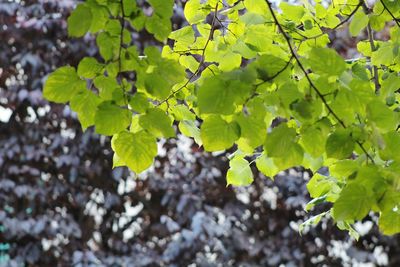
(313, 141)
(315, 201)
(230, 61)
(137, 150)
(190, 129)
(320, 185)
(89, 68)
(182, 112)
(117, 161)
(85, 104)
(292, 157)
(348, 227)
(266, 166)
(292, 12)
(359, 71)
(113, 28)
(384, 55)
(289, 93)
(256, 6)
(381, 116)
(130, 59)
(346, 105)
(326, 61)
(62, 85)
(253, 131)
(372, 180)
(342, 169)
(139, 102)
(217, 134)
(138, 22)
(154, 56)
(101, 14)
(390, 85)
(215, 97)
(389, 222)
(339, 144)
(108, 45)
(184, 35)
(304, 110)
(79, 21)
(193, 12)
(280, 140)
(359, 22)
(159, 24)
(163, 9)
(391, 146)
(269, 66)
(160, 27)
(314, 220)
(135, 127)
(354, 203)
(157, 122)
(239, 173)
(390, 200)
(112, 69)
(107, 87)
(111, 119)
(129, 7)
(157, 86)
(282, 147)
(160, 75)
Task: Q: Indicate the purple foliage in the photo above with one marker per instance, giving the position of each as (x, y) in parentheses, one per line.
(61, 204)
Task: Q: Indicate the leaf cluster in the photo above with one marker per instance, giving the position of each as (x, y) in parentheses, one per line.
(243, 75)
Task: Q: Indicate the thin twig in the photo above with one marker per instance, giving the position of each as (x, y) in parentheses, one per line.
(320, 95)
(210, 37)
(374, 69)
(121, 43)
(276, 74)
(293, 52)
(267, 80)
(339, 24)
(225, 27)
(390, 13)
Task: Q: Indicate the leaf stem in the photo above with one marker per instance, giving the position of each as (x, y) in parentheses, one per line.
(121, 43)
(374, 70)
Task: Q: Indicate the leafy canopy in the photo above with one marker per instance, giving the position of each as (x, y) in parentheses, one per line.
(243, 75)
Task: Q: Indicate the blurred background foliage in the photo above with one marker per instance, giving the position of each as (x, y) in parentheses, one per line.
(62, 204)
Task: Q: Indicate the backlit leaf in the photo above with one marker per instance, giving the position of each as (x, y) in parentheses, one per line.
(136, 150)
(111, 119)
(239, 173)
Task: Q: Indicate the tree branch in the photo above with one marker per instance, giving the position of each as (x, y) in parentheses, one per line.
(209, 38)
(121, 43)
(319, 94)
(276, 74)
(334, 28)
(374, 70)
(390, 13)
